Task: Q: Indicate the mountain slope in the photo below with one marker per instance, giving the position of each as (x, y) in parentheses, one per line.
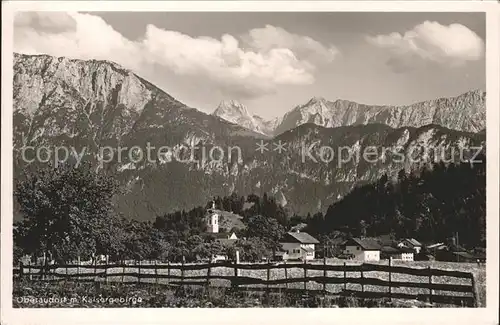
(99, 105)
(466, 112)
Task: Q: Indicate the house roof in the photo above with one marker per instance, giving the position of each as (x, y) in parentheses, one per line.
(386, 240)
(226, 242)
(464, 255)
(394, 250)
(299, 227)
(390, 250)
(436, 245)
(405, 250)
(300, 237)
(413, 241)
(218, 235)
(365, 243)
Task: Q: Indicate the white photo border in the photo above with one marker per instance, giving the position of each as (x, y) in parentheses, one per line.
(487, 315)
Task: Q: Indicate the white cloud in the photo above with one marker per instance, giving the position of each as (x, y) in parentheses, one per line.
(305, 47)
(274, 56)
(451, 45)
(52, 21)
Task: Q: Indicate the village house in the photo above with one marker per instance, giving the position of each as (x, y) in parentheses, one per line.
(397, 253)
(412, 243)
(362, 249)
(451, 255)
(298, 245)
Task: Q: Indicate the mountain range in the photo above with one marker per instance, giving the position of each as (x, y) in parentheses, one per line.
(99, 104)
(466, 112)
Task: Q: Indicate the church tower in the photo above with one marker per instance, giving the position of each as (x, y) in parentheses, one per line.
(213, 220)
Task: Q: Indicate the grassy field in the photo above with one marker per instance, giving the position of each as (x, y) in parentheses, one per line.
(478, 271)
(33, 294)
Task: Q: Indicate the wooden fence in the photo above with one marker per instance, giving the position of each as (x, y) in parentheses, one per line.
(467, 297)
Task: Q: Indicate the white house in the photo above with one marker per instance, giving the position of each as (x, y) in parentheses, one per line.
(412, 243)
(362, 249)
(298, 245)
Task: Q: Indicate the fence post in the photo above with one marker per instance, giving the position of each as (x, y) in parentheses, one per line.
(237, 260)
(66, 277)
(305, 274)
(268, 278)
(44, 268)
(430, 284)
(324, 273)
(362, 280)
(474, 291)
(156, 276)
(390, 289)
(286, 275)
(139, 272)
(168, 272)
(182, 271)
(124, 270)
(105, 269)
(78, 268)
(95, 269)
(29, 269)
(345, 277)
(207, 284)
(21, 270)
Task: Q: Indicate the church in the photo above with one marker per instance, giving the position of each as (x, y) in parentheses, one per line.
(213, 220)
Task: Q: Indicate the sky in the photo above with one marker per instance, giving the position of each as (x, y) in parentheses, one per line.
(272, 62)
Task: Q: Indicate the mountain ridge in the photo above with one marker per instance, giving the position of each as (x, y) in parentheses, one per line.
(77, 103)
(340, 112)
(466, 112)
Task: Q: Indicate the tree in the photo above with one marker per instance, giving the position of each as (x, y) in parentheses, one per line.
(67, 211)
(431, 204)
(251, 249)
(266, 229)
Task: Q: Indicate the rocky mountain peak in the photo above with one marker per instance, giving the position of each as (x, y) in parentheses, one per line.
(235, 112)
(316, 100)
(465, 112)
(231, 107)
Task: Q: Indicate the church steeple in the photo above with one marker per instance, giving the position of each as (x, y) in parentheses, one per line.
(213, 220)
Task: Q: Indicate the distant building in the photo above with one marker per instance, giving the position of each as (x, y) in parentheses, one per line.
(411, 243)
(362, 249)
(397, 253)
(480, 254)
(436, 246)
(298, 227)
(225, 238)
(448, 255)
(298, 245)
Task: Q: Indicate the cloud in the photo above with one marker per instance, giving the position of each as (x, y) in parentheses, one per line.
(304, 47)
(224, 61)
(45, 21)
(249, 66)
(451, 45)
(90, 37)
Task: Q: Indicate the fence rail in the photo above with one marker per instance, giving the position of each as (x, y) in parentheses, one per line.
(101, 273)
